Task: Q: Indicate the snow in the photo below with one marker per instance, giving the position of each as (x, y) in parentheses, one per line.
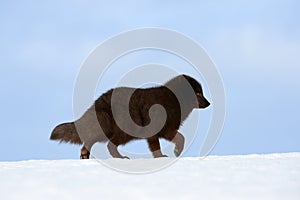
(270, 176)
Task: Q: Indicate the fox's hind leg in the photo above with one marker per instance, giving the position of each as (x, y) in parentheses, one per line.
(85, 153)
(154, 146)
(85, 150)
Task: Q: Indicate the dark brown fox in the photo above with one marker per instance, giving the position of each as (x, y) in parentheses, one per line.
(141, 100)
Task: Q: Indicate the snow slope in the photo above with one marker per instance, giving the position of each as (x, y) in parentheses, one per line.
(271, 176)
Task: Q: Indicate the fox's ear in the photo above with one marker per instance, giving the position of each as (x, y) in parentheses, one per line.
(200, 87)
(186, 77)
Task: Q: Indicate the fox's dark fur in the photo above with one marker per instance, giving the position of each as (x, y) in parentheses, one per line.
(141, 100)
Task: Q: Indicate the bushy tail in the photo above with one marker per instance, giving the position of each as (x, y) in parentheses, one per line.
(66, 133)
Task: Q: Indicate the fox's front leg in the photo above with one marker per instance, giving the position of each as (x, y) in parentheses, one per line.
(155, 147)
(178, 140)
(113, 150)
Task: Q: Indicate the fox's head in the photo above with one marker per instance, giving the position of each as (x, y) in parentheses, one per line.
(202, 101)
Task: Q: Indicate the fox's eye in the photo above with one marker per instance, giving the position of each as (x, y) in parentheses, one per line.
(199, 94)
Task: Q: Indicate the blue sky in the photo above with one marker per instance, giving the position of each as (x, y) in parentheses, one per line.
(255, 45)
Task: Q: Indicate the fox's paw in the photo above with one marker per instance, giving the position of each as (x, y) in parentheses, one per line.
(160, 156)
(84, 156)
(178, 150)
(125, 157)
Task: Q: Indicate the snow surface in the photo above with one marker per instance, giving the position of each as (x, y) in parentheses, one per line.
(271, 176)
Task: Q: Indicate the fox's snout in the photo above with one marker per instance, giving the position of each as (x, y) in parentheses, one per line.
(203, 102)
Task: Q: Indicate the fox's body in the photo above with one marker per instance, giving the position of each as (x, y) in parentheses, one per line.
(141, 100)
